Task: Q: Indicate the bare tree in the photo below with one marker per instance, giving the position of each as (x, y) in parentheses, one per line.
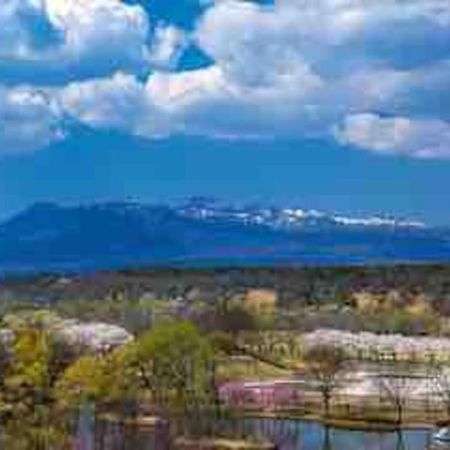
(396, 386)
(440, 381)
(325, 364)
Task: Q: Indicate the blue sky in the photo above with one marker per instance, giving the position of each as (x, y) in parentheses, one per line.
(339, 105)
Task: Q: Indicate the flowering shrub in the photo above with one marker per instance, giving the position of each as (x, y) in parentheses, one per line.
(269, 396)
(367, 345)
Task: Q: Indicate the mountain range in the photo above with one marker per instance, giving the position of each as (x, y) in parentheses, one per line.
(203, 232)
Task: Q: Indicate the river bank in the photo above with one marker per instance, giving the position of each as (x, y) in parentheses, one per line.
(283, 433)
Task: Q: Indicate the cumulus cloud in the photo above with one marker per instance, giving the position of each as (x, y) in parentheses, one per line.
(201, 102)
(29, 119)
(424, 91)
(274, 72)
(373, 74)
(120, 103)
(416, 138)
(168, 44)
(333, 36)
(211, 102)
(299, 67)
(74, 37)
(113, 103)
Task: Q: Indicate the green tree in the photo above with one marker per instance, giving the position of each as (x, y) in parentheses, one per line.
(33, 367)
(35, 363)
(102, 380)
(173, 361)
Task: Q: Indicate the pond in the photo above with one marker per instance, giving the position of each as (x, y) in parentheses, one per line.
(286, 434)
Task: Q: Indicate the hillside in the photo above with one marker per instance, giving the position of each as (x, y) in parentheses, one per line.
(49, 237)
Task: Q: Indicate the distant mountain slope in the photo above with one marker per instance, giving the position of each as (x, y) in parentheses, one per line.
(111, 235)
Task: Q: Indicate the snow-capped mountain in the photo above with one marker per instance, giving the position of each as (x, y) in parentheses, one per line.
(197, 232)
(287, 218)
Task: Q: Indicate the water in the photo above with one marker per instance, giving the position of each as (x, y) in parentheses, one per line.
(304, 435)
(286, 434)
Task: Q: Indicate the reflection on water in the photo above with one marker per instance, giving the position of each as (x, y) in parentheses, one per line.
(290, 435)
(85, 433)
(285, 434)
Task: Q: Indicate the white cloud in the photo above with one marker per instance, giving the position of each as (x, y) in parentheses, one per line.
(119, 103)
(331, 35)
(74, 35)
(29, 119)
(168, 44)
(300, 68)
(203, 101)
(416, 138)
(99, 27)
(296, 103)
(424, 91)
(113, 103)
(14, 37)
(211, 102)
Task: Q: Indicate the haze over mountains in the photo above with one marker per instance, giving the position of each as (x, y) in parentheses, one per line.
(201, 232)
